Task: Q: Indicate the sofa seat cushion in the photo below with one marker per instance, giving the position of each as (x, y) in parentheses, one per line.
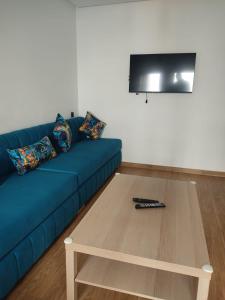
(26, 201)
(84, 158)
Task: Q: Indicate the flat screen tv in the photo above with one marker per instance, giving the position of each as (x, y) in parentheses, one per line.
(162, 73)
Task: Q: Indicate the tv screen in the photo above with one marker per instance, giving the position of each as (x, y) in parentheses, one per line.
(162, 73)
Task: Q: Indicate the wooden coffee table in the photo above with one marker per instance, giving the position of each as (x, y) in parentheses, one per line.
(150, 253)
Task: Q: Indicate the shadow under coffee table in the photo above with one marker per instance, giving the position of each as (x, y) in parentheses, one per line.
(151, 253)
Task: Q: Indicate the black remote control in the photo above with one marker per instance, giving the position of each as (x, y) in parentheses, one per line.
(142, 200)
(149, 205)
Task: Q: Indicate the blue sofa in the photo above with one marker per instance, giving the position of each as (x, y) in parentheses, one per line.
(36, 208)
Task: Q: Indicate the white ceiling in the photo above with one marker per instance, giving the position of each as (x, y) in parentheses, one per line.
(83, 3)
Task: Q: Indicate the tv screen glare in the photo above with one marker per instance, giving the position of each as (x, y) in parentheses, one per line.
(162, 73)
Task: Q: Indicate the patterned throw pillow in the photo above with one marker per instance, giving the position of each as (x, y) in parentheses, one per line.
(24, 159)
(29, 157)
(44, 149)
(92, 126)
(62, 134)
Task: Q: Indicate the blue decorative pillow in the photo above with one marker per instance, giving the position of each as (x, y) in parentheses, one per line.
(44, 149)
(92, 126)
(28, 158)
(24, 159)
(62, 134)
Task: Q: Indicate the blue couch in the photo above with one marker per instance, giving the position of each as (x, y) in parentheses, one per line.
(36, 208)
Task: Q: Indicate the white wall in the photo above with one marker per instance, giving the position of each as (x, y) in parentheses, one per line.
(37, 61)
(173, 129)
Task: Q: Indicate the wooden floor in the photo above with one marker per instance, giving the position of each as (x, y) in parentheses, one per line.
(46, 280)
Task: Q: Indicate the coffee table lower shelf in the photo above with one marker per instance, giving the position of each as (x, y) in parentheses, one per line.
(136, 280)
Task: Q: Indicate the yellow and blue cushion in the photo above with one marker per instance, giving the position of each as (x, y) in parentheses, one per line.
(92, 126)
(24, 159)
(62, 134)
(28, 158)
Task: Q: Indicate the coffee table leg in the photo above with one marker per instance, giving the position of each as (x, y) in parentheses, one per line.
(71, 272)
(203, 283)
(203, 288)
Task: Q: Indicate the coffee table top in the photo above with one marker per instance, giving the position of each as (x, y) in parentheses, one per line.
(170, 239)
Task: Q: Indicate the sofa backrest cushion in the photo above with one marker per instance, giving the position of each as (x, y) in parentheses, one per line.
(28, 136)
(75, 124)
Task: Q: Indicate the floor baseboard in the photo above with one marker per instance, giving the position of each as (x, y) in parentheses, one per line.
(173, 169)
